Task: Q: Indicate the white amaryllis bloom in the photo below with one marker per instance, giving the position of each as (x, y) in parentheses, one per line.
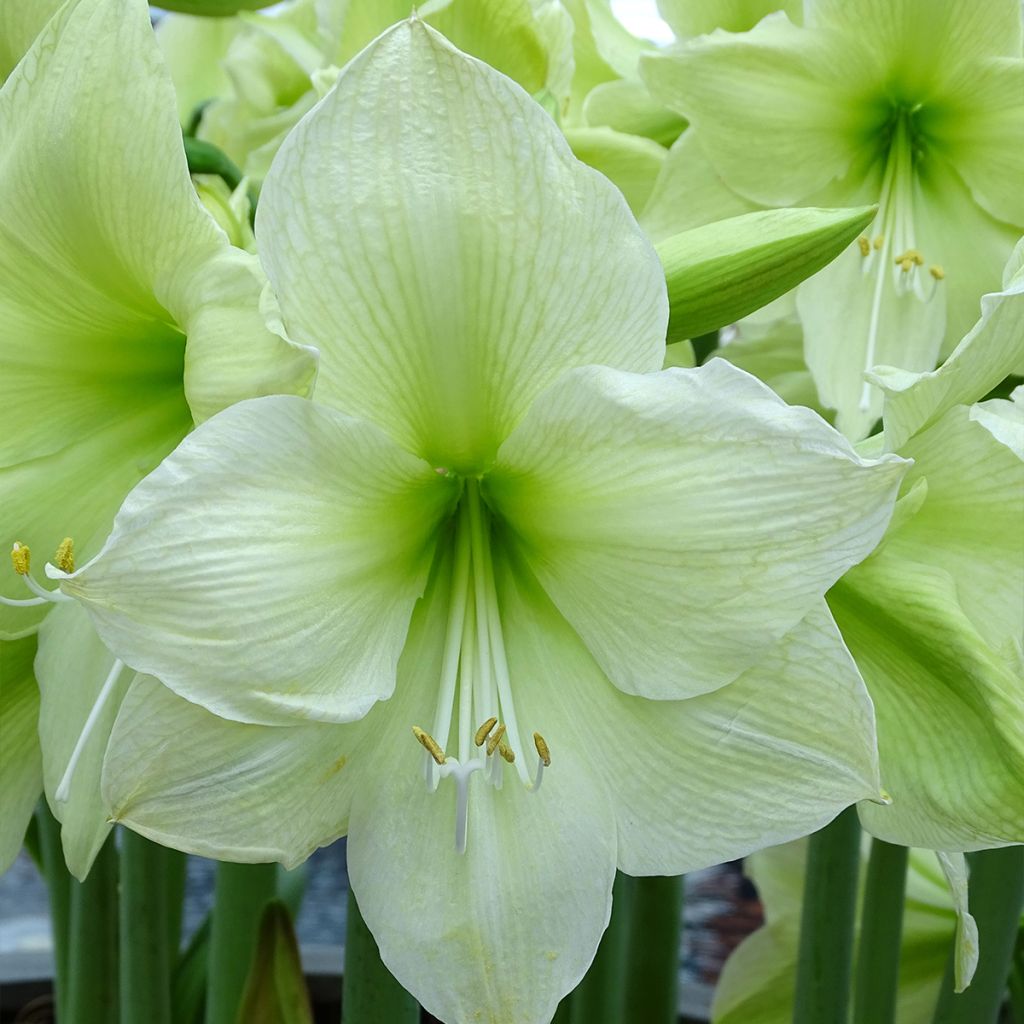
(501, 532)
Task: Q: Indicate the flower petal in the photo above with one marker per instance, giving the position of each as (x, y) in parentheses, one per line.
(441, 308)
(697, 17)
(771, 757)
(631, 162)
(950, 710)
(191, 780)
(21, 770)
(268, 568)
(22, 23)
(501, 932)
(776, 108)
(72, 668)
(683, 522)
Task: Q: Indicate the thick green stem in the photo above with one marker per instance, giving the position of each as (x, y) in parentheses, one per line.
(175, 872)
(652, 964)
(370, 994)
(600, 998)
(92, 943)
(241, 893)
(996, 898)
(58, 882)
(881, 928)
(827, 922)
(145, 964)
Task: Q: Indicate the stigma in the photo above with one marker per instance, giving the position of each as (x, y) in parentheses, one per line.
(475, 730)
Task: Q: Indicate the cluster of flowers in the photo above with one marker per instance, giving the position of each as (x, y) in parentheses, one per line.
(389, 518)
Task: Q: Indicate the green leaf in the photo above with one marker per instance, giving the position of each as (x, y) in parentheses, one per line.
(720, 272)
(275, 992)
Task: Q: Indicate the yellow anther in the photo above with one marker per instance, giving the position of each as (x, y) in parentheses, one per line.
(64, 559)
(492, 743)
(865, 245)
(21, 558)
(879, 241)
(542, 749)
(484, 730)
(937, 272)
(431, 745)
(506, 752)
(916, 257)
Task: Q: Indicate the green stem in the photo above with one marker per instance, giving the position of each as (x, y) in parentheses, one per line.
(175, 872)
(58, 882)
(241, 893)
(600, 998)
(996, 897)
(370, 994)
(563, 1015)
(826, 925)
(145, 964)
(92, 943)
(652, 963)
(881, 928)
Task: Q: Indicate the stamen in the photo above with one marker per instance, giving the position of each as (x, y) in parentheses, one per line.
(429, 744)
(64, 788)
(878, 242)
(492, 743)
(542, 749)
(21, 558)
(506, 752)
(937, 272)
(64, 559)
(484, 730)
(865, 246)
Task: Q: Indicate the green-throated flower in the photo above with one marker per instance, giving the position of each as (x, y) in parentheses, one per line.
(913, 104)
(125, 316)
(506, 604)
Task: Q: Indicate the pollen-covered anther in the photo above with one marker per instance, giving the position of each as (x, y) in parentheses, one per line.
(484, 731)
(542, 749)
(64, 559)
(937, 272)
(432, 747)
(492, 743)
(865, 245)
(21, 558)
(878, 242)
(507, 752)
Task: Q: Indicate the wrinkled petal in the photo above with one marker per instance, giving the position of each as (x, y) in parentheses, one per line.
(268, 568)
(469, 273)
(683, 522)
(72, 668)
(21, 770)
(985, 356)
(837, 307)
(187, 779)
(773, 756)
(954, 867)
(775, 107)
(501, 932)
(950, 711)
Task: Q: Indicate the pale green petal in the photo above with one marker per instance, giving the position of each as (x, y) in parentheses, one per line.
(501, 932)
(689, 193)
(268, 568)
(190, 780)
(590, 67)
(441, 309)
(72, 667)
(837, 307)
(697, 17)
(21, 770)
(925, 42)
(971, 521)
(631, 162)
(627, 106)
(954, 867)
(950, 711)
(984, 357)
(758, 982)
(981, 128)
(775, 107)
(684, 521)
(194, 49)
(21, 22)
(775, 755)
